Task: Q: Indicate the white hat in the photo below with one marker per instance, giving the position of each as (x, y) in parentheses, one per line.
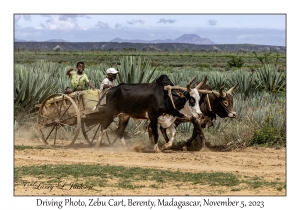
(112, 71)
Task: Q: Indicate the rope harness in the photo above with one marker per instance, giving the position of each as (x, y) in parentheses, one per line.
(209, 106)
(226, 109)
(171, 97)
(208, 101)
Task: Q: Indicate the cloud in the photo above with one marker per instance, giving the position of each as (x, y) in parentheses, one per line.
(61, 22)
(212, 22)
(135, 22)
(163, 20)
(102, 25)
(66, 17)
(27, 17)
(17, 18)
(117, 26)
(42, 26)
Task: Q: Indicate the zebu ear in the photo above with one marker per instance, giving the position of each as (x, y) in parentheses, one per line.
(231, 89)
(188, 87)
(201, 83)
(222, 93)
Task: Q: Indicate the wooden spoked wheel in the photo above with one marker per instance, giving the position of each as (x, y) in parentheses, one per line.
(59, 121)
(90, 131)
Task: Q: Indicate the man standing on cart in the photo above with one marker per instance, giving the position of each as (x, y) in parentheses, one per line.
(107, 83)
(78, 79)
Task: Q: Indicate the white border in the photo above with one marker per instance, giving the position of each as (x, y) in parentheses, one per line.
(8, 201)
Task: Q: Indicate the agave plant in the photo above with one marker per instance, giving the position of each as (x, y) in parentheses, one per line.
(96, 73)
(135, 70)
(216, 80)
(248, 84)
(184, 128)
(271, 79)
(33, 84)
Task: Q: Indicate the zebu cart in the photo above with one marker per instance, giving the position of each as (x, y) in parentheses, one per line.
(62, 116)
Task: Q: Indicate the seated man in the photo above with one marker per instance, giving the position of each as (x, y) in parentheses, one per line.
(78, 79)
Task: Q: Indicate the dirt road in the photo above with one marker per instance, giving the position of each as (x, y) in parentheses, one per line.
(270, 164)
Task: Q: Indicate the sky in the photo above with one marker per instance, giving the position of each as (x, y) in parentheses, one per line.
(264, 29)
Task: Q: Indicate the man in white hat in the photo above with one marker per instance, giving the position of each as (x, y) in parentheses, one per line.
(109, 81)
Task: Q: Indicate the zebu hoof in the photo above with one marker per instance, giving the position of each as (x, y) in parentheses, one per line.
(184, 148)
(156, 149)
(166, 146)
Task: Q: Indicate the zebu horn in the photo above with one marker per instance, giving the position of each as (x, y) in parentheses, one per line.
(205, 91)
(169, 87)
(216, 93)
(231, 89)
(223, 94)
(201, 83)
(188, 87)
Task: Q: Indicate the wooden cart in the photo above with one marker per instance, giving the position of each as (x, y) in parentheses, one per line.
(62, 116)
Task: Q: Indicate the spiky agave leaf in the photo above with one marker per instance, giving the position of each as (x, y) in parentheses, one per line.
(33, 83)
(271, 79)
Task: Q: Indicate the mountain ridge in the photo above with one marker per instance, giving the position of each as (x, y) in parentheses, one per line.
(186, 38)
(186, 42)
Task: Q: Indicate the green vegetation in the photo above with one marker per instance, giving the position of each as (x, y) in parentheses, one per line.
(23, 147)
(269, 135)
(261, 92)
(235, 62)
(96, 176)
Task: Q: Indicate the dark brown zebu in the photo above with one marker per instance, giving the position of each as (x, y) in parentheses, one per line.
(211, 103)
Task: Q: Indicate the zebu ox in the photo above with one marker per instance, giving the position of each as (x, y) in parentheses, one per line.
(149, 101)
(211, 104)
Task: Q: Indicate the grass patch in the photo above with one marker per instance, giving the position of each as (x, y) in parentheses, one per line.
(136, 177)
(23, 147)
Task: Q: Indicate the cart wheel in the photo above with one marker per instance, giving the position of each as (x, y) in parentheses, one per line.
(90, 131)
(59, 121)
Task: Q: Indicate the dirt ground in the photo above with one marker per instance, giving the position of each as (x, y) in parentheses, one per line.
(269, 164)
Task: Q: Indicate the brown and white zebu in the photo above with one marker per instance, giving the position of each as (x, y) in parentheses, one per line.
(211, 104)
(149, 101)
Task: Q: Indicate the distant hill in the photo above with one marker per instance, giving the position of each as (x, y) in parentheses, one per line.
(22, 40)
(50, 40)
(56, 40)
(186, 42)
(193, 39)
(142, 41)
(186, 38)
